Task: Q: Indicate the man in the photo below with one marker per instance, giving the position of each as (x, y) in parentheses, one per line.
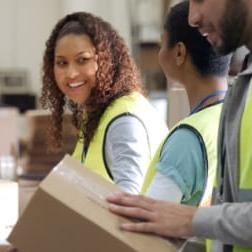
(227, 24)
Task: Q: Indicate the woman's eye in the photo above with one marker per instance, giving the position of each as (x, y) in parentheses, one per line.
(82, 60)
(60, 63)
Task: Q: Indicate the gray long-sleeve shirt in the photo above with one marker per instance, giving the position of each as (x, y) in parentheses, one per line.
(230, 223)
(127, 152)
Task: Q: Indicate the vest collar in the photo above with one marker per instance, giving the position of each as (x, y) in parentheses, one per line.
(248, 69)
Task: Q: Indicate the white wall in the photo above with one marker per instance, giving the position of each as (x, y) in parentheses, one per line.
(25, 26)
(117, 12)
(35, 20)
(148, 19)
(7, 28)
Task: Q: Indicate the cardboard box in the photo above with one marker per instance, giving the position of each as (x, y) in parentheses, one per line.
(38, 122)
(36, 158)
(68, 212)
(148, 57)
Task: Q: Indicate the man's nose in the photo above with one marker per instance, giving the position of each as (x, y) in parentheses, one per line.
(194, 14)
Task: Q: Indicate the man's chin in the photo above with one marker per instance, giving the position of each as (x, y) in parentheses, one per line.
(217, 45)
(224, 48)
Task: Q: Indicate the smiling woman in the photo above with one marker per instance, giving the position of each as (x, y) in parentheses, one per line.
(75, 66)
(87, 69)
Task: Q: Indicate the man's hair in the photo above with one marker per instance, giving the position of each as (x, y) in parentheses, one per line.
(203, 56)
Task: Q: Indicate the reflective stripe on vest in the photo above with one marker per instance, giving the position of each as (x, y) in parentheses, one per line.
(206, 123)
(135, 105)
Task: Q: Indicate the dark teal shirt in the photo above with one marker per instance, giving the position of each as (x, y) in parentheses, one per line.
(182, 161)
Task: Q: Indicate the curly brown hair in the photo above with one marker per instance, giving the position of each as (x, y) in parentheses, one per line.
(116, 76)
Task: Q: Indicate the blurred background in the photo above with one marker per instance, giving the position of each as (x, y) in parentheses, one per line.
(25, 26)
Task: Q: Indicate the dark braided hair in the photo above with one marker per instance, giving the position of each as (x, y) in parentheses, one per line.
(116, 76)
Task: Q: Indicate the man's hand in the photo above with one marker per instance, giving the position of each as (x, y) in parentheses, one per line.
(155, 216)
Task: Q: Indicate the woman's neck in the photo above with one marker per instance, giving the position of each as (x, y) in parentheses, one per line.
(199, 88)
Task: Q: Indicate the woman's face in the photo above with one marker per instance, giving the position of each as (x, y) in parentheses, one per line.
(167, 58)
(75, 66)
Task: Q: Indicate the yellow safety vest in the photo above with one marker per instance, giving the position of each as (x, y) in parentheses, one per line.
(135, 105)
(245, 164)
(205, 124)
(245, 184)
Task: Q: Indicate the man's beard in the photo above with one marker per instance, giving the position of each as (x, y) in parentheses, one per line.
(232, 26)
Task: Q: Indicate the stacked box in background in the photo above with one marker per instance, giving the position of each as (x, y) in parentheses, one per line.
(38, 160)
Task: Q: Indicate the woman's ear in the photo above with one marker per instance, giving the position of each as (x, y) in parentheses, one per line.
(180, 54)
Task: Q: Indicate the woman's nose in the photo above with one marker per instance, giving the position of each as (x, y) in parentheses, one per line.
(72, 72)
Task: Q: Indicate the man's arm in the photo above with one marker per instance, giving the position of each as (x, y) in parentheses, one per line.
(158, 217)
(230, 223)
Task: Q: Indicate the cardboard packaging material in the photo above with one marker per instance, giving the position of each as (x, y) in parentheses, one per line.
(37, 160)
(68, 212)
(8, 207)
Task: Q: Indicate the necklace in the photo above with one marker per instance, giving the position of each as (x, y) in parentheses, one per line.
(204, 99)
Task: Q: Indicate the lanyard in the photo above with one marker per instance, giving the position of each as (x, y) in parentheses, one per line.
(201, 102)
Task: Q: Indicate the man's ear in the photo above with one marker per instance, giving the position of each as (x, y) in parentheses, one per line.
(180, 54)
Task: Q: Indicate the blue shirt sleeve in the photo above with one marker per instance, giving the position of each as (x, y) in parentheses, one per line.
(182, 161)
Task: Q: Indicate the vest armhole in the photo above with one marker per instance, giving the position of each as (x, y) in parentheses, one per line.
(105, 134)
(202, 145)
